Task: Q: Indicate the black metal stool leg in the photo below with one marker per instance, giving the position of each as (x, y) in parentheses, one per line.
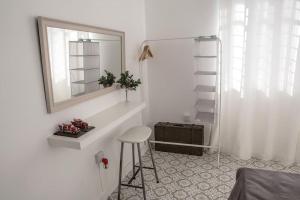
(153, 163)
(133, 161)
(120, 171)
(141, 169)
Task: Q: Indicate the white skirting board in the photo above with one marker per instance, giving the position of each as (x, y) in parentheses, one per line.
(105, 121)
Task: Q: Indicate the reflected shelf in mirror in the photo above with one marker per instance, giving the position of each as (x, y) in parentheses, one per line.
(83, 82)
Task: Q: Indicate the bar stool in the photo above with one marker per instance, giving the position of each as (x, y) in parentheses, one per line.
(136, 135)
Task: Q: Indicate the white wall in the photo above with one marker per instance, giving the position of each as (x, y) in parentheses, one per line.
(170, 72)
(30, 169)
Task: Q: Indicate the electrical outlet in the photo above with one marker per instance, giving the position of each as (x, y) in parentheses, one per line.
(187, 117)
(98, 157)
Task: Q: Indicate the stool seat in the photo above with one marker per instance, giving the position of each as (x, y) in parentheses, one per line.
(136, 134)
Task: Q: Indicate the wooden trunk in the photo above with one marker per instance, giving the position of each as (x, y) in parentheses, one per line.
(179, 133)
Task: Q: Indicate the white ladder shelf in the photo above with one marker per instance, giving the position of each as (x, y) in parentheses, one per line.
(208, 110)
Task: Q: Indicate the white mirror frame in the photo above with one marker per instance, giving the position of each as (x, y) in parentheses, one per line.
(43, 23)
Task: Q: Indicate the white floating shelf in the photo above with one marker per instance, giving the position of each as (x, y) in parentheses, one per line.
(105, 121)
(205, 117)
(205, 73)
(205, 88)
(205, 104)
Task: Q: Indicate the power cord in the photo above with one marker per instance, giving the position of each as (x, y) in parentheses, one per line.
(100, 180)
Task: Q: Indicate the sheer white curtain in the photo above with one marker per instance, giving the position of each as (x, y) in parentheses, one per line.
(261, 82)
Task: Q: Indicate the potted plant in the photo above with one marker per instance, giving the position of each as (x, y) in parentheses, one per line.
(107, 80)
(127, 82)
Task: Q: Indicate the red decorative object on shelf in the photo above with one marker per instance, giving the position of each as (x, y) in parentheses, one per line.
(75, 129)
(69, 128)
(80, 124)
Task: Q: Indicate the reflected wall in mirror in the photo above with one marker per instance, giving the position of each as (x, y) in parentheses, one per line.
(74, 57)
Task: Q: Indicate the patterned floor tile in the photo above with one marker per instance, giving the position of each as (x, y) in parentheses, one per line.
(193, 177)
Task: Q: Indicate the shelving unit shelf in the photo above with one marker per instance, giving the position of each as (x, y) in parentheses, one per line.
(205, 72)
(205, 88)
(197, 56)
(205, 104)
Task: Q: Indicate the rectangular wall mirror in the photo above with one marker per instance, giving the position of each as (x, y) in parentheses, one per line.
(74, 57)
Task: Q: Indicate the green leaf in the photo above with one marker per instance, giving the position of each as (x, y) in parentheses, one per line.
(126, 81)
(107, 80)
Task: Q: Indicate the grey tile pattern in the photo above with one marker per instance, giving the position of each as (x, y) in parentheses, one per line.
(193, 177)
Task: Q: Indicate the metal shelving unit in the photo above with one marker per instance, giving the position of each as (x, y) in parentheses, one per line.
(207, 110)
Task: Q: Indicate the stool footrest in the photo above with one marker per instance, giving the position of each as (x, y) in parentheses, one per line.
(134, 186)
(144, 167)
(133, 177)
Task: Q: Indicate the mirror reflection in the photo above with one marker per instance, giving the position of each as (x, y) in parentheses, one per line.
(78, 59)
